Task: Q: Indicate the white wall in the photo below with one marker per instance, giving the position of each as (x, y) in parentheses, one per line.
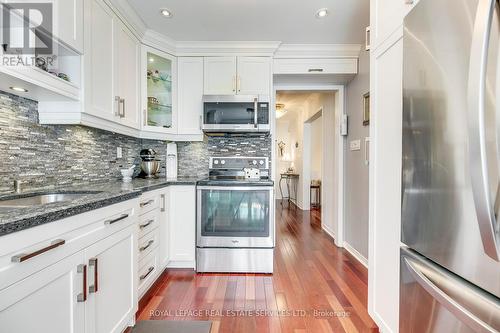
(356, 171)
(316, 148)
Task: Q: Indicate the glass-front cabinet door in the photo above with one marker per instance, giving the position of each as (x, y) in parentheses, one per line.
(159, 82)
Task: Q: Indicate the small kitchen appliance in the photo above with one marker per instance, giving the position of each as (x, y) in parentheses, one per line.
(235, 216)
(171, 160)
(150, 166)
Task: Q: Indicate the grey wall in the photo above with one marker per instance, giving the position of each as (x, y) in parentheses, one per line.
(356, 172)
(50, 155)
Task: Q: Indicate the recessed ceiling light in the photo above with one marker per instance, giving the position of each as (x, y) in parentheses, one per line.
(322, 13)
(165, 12)
(19, 89)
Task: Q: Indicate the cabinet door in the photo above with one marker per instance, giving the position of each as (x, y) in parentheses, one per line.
(112, 272)
(99, 60)
(46, 301)
(254, 76)
(219, 76)
(190, 107)
(385, 18)
(127, 74)
(182, 221)
(68, 23)
(159, 75)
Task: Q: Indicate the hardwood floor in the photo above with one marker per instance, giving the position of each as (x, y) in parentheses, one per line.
(316, 287)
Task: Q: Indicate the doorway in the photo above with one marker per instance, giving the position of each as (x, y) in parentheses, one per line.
(308, 144)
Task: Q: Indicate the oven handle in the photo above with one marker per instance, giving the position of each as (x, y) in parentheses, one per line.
(235, 188)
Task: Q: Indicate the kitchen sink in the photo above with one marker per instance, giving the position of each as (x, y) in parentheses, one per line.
(37, 199)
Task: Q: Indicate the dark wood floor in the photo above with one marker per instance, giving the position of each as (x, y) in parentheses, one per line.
(316, 287)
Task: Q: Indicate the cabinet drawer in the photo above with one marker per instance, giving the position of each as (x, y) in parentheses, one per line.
(315, 66)
(149, 202)
(27, 252)
(148, 271)
(148, 242)
(148, 222)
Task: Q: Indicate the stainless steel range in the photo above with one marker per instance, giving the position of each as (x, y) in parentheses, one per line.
(235, 216)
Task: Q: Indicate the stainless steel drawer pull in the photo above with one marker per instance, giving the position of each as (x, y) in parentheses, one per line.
(316, 70)
(146, 203)
(145, 225)
(123, 217)
(94, 287)
(25, 256)
(82, 297)
(150, 269)
(145, 247)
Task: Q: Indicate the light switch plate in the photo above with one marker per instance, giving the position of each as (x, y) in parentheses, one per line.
(355, 145)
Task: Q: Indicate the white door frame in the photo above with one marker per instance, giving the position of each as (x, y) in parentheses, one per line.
(338, 231)
(306, 157)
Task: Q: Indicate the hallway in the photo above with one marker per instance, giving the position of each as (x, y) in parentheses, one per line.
(316, 287)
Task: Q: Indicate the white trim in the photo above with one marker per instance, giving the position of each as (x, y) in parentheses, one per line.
(339, 111)
(329, 231)
(187, 264)
(382, 325)
(359, 257)
(217, 48)
(310, 51)
(159, 41)
(129, 17)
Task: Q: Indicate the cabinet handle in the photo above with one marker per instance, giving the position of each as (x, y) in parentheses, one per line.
(117, 111)
(255, 112)
(143, 204)
(150, 269)
(109, 222)
(94, 287)
(122, 102)
(201, 121)
(409, 2)
(234, 83)
(315, 70)
(82, 297)
(163, 197)
(145, 247)
(145, 117)
(367, 147)
(238, 83)
(145, 225)
(25, 256)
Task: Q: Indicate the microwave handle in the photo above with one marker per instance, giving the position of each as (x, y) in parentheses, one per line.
(255, 113)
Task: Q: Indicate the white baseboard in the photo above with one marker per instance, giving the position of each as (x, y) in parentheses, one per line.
(188, 264)
(382, 326)
(359, 257)
(327, 229)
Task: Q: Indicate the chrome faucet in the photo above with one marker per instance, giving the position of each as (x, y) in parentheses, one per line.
(17, 186)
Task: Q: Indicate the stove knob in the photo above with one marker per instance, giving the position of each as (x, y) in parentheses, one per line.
(254, 162)
(261, 162)
(222, 162)
(216, 162)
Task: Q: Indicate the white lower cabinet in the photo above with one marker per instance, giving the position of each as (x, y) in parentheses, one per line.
(112, 300)
(182, 222)
(85, 284)
(46, 301)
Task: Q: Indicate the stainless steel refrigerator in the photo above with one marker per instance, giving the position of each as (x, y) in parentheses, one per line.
(450, 260)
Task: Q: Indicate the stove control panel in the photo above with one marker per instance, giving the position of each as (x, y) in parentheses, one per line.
(239, 163)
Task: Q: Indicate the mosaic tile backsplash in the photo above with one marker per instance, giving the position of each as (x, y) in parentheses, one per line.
(54, 155)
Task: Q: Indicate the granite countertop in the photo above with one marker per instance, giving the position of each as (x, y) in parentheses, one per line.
(102, 194)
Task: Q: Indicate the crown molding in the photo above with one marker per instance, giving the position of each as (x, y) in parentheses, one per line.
(129, 17)
(215, 48)
(160, 41)
(318, 51)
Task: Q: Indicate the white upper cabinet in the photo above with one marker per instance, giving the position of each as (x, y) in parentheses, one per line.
(127, 81)
(68, 23)
(190, 95)
(220, 76)
(99, 61)
(386, 16)
(237, 76)
(254, 76)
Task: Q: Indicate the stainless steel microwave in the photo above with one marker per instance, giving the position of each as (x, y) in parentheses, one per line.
(238, 113)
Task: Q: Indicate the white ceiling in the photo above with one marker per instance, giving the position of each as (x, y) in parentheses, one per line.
(288, 21)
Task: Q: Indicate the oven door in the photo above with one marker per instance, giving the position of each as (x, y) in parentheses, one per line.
(235, 217)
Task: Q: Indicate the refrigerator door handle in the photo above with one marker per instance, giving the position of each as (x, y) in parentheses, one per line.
(477, 131)
(468, 303)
